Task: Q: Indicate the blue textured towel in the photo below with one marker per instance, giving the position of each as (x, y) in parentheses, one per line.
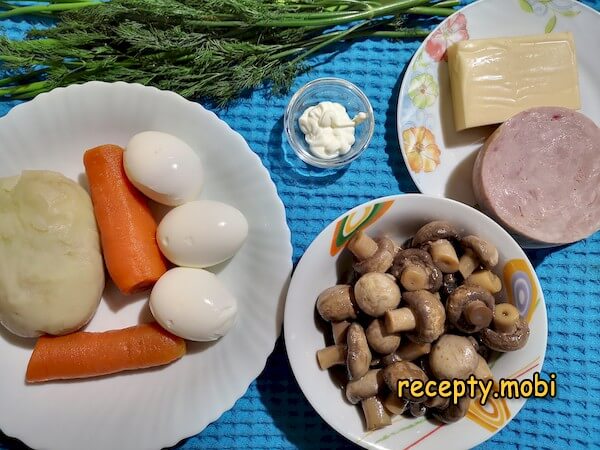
(273, 414)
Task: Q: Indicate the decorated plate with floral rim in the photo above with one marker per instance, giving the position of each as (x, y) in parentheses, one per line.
(440, 159)
(326, 262)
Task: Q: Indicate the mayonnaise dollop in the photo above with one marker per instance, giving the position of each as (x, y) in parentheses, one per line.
(328, 129)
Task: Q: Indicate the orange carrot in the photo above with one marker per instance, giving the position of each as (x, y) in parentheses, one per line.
(84, 354)
(127, 228)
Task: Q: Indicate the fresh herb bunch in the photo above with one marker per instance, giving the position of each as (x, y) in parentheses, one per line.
(198, 48)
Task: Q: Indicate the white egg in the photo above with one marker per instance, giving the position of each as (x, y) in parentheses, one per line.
(201, 233)
(193, 304)
(163, 167)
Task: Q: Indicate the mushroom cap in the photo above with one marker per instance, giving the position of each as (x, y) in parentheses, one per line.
(407, 352)
(437, 402)
(506, 342)
(432, 231)
(452, 357)
(380, 340)
(458, 301)
(485, 251)
(336, 303)
(421, 258)
(453, 412)
(381, 260)
(430, 316)
(358, 359)
(403, 370)
(366, 386)
(376, 293)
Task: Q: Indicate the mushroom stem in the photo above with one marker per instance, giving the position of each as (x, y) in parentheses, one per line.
(339, 330)
(444, 256)
(366, 386)
(395, 404)
(398, 320)
(468, 263)
(414, 278)
(375, 414)
(331, 356)
(486, 279)
(478, 314)
(362, 246)
(506, 318)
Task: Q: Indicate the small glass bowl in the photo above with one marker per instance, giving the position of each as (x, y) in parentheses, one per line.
(333, 90)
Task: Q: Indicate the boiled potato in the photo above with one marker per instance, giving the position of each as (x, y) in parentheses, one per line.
(51, 270)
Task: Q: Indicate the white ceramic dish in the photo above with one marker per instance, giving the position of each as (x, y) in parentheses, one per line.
(425, 119)
(400, 216)
(156, 408)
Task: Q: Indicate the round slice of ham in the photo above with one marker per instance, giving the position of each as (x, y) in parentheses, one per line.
(538, 175)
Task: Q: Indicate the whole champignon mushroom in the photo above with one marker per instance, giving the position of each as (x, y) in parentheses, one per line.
(403, 370)
(511, 331)
(454, 412)
(470, 308)
(376, 293)
(379, 339)
(358, 357)
(424, 317)
(486, 253)
(331, 356)
(394, 404)
(366, 386)
(373, 255)
(415, 270)
(375, 413)
(444, 256)
(486, 279)
(438, 229)
(453, 357)
(336, 303)
(407, 352)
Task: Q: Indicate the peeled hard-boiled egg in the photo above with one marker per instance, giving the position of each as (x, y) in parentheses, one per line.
(193, 304)
(163, 167)
(201, 233)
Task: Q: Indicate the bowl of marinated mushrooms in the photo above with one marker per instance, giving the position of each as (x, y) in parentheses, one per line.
(412, 287)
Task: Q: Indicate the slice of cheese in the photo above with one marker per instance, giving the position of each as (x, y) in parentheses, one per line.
(493, 79)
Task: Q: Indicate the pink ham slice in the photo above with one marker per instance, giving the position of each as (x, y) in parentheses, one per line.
(538, 175)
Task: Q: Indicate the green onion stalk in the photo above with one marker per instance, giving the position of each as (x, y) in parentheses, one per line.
(199, 48)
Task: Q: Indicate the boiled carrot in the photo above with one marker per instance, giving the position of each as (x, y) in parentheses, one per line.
(127, 228)
(84, 354)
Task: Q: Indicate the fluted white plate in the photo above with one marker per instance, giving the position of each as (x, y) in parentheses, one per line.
(154, 408)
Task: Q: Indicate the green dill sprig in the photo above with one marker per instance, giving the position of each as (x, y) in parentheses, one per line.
(198, 48)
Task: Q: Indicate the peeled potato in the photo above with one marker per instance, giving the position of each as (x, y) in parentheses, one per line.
(51, 270)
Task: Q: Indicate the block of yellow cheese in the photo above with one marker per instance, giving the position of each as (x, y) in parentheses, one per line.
(494, 79)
